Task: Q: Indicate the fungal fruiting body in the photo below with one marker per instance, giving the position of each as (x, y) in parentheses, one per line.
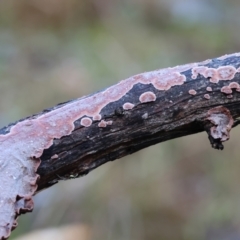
(215, 75)
(209, 89)
(147, 97)
(226, 90)
(207, 96)
(104, 124)
(86, 122)
(128, 106)
(192, 92)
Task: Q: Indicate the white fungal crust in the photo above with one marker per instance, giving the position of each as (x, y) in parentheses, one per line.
(86, 122)
(192, 92)
(147, 97)
(207, 96)
(128, 106)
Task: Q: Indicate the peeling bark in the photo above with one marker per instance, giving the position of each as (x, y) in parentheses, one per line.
(78, 136)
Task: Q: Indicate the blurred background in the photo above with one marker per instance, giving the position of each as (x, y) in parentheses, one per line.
(55, 50)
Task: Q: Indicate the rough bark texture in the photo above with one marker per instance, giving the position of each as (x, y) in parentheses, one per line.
(76, 137)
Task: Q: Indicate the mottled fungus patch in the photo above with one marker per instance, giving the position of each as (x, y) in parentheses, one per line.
(128, 106)
(230, 96)
(198, 70)
(192, 92)
(226, 72)
(207, 96)
(215, 75)
(209, 89)
(147, 97)
(165, 82)
(86, 122)
(226, 90)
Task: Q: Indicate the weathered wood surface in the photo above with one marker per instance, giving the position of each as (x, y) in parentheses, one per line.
(76, 137)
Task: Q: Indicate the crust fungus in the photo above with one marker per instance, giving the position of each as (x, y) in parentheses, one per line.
(207, 96)
(215, 75)
(209, 89)
(226, 72)
(226, 90)
(220, 126)
(86, 122)
(97, 117)
(104, 123)
(192, 92)
(128, 106)
(234, 85)
(147, 97)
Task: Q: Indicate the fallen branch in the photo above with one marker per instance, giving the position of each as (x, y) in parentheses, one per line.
(78, 136)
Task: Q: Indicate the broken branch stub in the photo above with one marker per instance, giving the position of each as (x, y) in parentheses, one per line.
(222, 122)
(76, 137)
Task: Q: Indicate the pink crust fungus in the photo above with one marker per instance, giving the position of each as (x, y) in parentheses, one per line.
(226, 90)
(104, 124)
(207, 96)
(97, 117)
(86, 122)
(234, 85)
(192, 92)
(147, 97)
(215, 75)
(128, 106)
(209, 89)
(226, 72)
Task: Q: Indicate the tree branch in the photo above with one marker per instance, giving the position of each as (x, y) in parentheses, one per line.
(78, 136)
